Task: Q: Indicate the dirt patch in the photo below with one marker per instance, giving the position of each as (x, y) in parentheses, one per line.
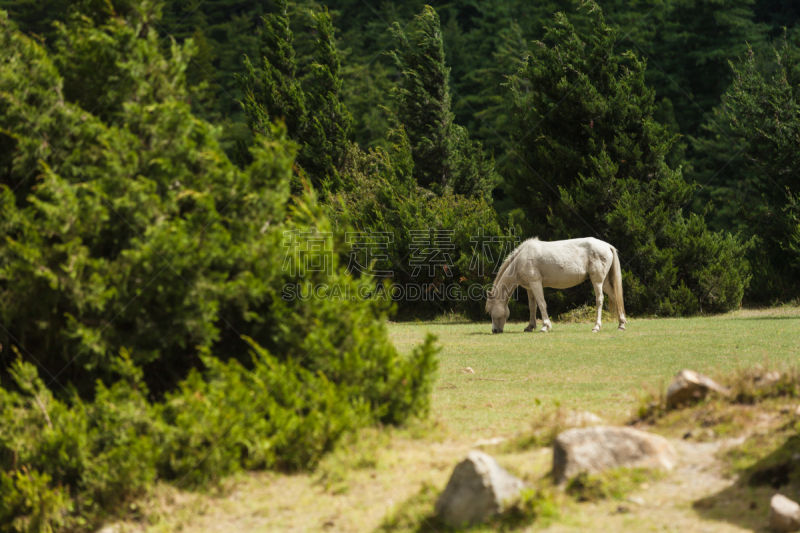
(667, 504)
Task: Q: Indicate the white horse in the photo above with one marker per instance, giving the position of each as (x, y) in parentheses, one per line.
(560, 264)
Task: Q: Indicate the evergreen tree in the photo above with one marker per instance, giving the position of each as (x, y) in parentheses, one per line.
(689, 43)
(591, 163)
(765, 119)
(316, 119)
(718, 166)
(445, 159)
(331, 121)
(777, 14)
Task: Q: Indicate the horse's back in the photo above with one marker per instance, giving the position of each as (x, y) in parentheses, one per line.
(563, 264)
(577, 247)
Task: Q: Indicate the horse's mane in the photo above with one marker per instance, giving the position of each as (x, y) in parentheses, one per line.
(510, 258)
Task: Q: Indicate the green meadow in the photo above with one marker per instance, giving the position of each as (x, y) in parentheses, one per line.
(517, 373)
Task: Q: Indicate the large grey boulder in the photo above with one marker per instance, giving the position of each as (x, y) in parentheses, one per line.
(478, 488)
(596, 449)
(689, 386)
(784, 514)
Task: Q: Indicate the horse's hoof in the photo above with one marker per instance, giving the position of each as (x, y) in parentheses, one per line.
(595, 330)
(545, 329)
(621, 328)
(528, 329)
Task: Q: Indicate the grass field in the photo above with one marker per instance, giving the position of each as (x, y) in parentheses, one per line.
(517, 377)
(601, 372)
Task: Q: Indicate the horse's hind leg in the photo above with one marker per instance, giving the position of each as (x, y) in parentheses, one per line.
(598, 297)
(612, 303)
(532, 307)
(538, 293)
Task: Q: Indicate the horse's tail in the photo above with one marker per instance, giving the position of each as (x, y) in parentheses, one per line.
(616, 284)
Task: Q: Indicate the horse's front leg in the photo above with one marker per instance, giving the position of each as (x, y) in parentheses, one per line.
(598, 296)
(532, 307)
(538, 293)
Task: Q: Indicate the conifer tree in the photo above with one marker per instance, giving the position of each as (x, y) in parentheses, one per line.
(445, 159)
(315, 118)
(331, 120)
(765, 119)
(590, 162)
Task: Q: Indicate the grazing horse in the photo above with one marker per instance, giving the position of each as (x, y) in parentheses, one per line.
(535, 264)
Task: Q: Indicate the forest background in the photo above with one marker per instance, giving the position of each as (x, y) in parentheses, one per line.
(686, 45)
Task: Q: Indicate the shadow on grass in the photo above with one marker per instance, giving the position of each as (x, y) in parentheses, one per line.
(489, 332)
(746, 502)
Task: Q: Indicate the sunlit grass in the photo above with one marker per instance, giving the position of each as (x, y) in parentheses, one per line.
(601, 372)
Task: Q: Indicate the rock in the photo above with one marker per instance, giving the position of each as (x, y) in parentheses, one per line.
(784, 514)
(637, 500)
(599, 448)
(469, 370)
(768, 380)
(489, 442)
(689, 386)
(478, 488)
(582, 419)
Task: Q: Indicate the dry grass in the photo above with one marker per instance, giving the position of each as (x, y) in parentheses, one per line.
(585, 314)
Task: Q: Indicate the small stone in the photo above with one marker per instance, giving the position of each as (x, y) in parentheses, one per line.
(637, 500)
(768, 380)
(469, 370)
(478, 488)
(623, 509)
(784, 514)
(600, 448)
(489, 442)
(689, 386)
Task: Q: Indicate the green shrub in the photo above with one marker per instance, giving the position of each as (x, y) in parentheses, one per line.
(386, 198)
(144, 271)
(138, 232)
(279, 414)
(65, 465)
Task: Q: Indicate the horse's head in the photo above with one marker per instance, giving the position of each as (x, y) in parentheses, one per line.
(497, 308)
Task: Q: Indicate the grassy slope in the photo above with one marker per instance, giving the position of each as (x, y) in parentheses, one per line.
(384, 472)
